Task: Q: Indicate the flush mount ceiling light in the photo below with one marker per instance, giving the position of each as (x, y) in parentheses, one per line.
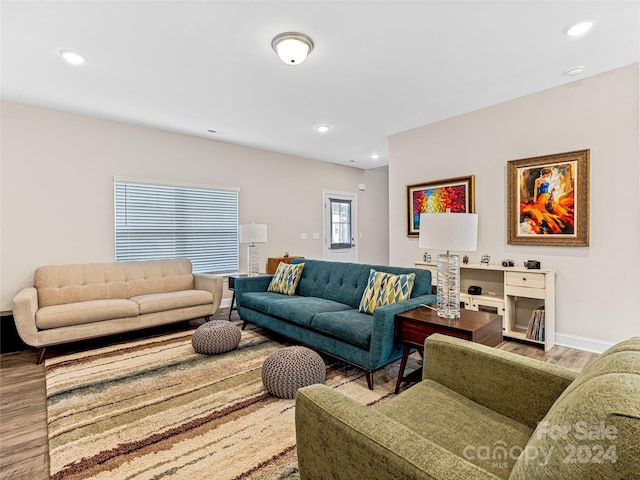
(374, 156)
(322, 128)
(292, 47)
(580, 28)
(72, 57)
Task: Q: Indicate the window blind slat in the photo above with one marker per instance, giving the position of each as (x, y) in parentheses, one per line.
(168, 221)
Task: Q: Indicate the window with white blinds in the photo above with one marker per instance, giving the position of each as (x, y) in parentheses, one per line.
(159, 221)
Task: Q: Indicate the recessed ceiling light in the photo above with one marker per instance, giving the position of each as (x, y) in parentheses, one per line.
(572, 72)
(322, 128)
(374, 156)
(580, 28)
(72, 57)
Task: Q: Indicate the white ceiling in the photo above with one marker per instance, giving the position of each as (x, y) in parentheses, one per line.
(378, 67)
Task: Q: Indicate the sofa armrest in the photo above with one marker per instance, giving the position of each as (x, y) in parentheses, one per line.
(340, 439)
(518, 387)
(259, 283)
(395, 308)
(382, 334)
(210, 283)
(25, 306)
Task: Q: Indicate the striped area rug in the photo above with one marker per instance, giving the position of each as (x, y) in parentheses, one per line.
(154, 409)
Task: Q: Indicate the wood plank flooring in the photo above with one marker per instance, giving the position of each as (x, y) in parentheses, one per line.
(23, 417)
(23, 401)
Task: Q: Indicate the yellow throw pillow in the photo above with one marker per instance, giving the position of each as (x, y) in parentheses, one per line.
(384, 288)
(286, 278)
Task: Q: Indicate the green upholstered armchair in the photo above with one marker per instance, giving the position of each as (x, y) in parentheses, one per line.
(481, 413)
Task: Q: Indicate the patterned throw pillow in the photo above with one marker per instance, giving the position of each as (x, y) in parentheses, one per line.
(384, 288)
(286, 278)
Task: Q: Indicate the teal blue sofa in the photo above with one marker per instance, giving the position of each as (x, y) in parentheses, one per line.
(323, 313)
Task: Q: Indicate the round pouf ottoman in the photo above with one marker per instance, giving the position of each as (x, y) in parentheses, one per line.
(216, 336)
(290, 368)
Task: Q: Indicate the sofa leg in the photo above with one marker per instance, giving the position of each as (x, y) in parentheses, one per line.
(207, 318)
(41, 355)
(369, 375)
(244, 324)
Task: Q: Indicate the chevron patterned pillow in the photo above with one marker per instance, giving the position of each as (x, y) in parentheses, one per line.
(384, 288)
(286, 278)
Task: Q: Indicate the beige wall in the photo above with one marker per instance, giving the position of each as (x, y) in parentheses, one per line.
(374, 243)
(597, 286)
(57, 189)
(57, 171)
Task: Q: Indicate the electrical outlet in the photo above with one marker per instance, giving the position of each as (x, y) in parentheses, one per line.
(303, 236)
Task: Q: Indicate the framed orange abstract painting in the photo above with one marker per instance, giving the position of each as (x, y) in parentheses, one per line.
(548, 200)
(455, 194)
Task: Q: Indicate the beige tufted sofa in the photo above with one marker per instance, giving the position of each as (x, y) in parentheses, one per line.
(76, 302)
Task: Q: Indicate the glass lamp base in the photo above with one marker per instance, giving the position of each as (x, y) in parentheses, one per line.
(253, 261)
(448, 274)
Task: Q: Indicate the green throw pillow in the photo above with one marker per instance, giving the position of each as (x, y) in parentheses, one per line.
(384, 288)
(286, 278)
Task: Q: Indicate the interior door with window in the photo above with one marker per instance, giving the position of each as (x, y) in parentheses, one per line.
(340, 226)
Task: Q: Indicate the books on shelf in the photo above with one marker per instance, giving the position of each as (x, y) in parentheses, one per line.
(535, 330)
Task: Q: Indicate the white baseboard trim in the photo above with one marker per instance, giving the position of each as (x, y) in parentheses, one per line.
(225, 303)
(582, 343)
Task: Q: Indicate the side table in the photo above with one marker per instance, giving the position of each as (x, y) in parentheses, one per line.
(414, 326)
(273, 262)
(232, 287)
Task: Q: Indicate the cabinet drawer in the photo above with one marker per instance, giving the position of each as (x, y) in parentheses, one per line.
(525, 279)
(491, 303)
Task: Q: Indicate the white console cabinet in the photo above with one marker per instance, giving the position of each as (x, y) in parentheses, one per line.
(513, 292)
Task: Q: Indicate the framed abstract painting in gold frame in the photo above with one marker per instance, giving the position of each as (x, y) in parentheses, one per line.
(548, 200)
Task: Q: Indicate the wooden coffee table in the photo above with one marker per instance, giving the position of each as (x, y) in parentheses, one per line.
(414, 326)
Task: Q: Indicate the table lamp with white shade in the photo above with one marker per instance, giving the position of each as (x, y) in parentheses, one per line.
(448, 231)
(251, 234)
